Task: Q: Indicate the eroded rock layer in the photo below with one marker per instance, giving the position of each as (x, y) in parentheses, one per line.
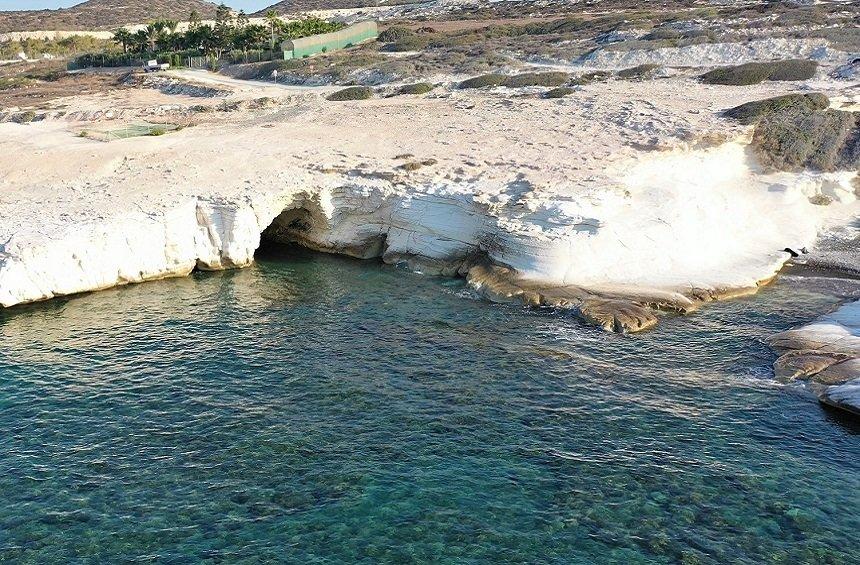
(825, 353)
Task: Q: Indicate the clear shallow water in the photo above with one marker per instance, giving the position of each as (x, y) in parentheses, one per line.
(316, 409)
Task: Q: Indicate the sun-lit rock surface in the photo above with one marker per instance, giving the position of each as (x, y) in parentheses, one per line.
(618, 200)
(827, 353)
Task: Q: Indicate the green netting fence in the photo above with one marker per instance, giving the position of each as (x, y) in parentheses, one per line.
(129, 130)
(325, 42)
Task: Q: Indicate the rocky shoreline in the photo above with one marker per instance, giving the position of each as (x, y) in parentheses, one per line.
(618, 202)
(826, 354)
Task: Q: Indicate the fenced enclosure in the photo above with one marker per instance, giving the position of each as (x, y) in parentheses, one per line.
(90, 60)
(325, 42)
(129, 130)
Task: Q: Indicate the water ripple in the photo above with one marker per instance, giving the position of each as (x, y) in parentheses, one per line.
(317, 409)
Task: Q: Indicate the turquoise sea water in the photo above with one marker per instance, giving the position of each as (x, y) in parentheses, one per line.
(314, 409)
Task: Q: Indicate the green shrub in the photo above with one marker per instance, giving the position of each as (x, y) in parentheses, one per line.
(662, 33)
(156, 131)
(823, 140)
(754, 73)
(25, 117)
(491, 79)
(741, 75)
(412, 43)
(639, 71)
(799, 131)
(417, 88)
(793, 69)
(588, 78)
(351, 93)
(560, 92)
(536, 79)
(395, 33)
(752, 112)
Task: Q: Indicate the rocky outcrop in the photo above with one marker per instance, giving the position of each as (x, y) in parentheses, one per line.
(826, 354)
(844, 397)
(710, 54)
(616, 264)
(618, 204)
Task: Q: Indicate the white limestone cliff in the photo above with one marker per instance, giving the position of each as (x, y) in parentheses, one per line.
(619, 201)
(681, 228)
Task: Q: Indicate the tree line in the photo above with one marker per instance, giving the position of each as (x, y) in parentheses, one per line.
(230, 32)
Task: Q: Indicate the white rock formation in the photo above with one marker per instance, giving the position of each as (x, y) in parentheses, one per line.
(845, 397)
(712, 54)
(826, 352)
(602, 202)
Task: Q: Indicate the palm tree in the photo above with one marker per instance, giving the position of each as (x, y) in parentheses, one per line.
(169, 37)
(141, 40)
(152, 31)
(272, 17)
(193, 20)
(124, 38)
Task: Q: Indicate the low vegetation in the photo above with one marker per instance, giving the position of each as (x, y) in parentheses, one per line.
(559, 92)
(351, 93)
(415, 165)
(483, 81)
(588, 78)
(411, 43)
(752, 112)
(25, 117)
(395, 33)
(417, 88)
(824, 140)
(38, 48)
(797, 132)
(536, 79)
(640, 71)
(8, 83)
(517, 81)
(754, 73)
